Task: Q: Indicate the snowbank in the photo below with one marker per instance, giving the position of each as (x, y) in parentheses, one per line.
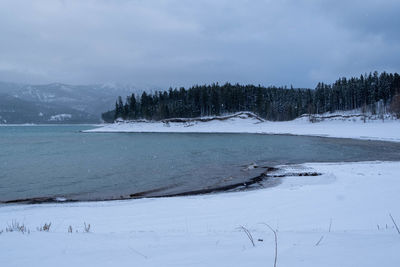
(346, 211)
(350, 127)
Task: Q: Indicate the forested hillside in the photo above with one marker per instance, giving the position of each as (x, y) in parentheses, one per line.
(272, 103)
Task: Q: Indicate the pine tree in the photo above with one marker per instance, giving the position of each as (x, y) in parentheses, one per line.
(272, 103)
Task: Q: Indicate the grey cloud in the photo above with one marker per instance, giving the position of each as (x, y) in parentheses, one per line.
(179, 43)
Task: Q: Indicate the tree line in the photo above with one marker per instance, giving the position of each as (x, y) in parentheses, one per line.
(271, 103)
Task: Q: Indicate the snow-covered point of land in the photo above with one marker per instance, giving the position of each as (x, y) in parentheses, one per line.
(341, 218)
(340, 125)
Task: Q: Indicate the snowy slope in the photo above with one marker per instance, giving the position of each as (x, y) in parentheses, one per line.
(388, 130)
(348, 207)
(14, 110)
(88, 101)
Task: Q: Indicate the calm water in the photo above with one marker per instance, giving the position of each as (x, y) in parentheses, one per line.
(47, 161)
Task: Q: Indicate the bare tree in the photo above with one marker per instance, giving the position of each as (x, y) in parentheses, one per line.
(395, 106)
(364, 111)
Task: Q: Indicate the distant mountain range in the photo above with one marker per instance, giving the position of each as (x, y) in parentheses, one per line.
(57, 103)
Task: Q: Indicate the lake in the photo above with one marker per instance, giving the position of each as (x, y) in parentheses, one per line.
(61, 161)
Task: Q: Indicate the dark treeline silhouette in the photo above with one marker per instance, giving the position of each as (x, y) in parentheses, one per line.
(272, 103)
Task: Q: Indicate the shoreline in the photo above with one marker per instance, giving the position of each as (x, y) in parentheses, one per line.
(343, 212)
(265, 177)
(361, 138)
(352, 127)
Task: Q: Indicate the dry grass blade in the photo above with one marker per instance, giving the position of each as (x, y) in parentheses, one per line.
(276, 243)
(17, 227)
(45, 227)
(395, 224)
(319, 241)
(247, 232)
(87, 227)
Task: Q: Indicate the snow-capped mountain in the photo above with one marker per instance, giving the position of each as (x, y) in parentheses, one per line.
(23, 103)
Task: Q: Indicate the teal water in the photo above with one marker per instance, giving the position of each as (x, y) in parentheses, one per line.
(49, 161)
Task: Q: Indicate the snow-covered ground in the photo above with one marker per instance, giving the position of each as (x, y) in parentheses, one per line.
(338, 219)
(354, 127)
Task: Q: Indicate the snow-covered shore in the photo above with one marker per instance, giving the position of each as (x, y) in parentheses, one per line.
(338, 219)
(388, 130)
(341, 218)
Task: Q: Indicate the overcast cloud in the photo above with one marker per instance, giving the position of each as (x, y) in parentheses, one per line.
(156, 43)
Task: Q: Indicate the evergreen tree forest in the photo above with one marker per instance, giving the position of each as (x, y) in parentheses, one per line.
(271, 103)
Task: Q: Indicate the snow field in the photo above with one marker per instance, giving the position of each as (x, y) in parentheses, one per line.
(350, 199)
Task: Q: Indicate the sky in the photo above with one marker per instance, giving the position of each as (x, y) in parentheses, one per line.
(163, 43)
